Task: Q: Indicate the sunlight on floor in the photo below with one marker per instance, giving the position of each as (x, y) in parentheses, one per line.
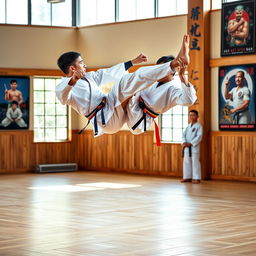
(85, 187)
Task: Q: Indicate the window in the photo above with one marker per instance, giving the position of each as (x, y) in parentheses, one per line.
(88, 12)
(43, 13)
(62, 14)
(172, 7)
(97, 11)
(16, 11)
(173, 122)
(216, 4)
(135, 9)
(50, 116)
(182, 7)
(2, 11)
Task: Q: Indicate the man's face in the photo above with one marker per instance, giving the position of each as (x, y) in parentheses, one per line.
(239, 79)
(79, 64)
(14, 86)
(14, 106)
(166, 79)
(239, 15)
(193, 117)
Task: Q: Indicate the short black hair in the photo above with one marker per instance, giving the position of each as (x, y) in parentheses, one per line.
(242, 72)
(67, 59)
(165, 59)
(13, 81)
(194, 111)
(15, 102)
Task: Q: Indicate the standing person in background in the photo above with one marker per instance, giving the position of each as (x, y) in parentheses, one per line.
(191, 139)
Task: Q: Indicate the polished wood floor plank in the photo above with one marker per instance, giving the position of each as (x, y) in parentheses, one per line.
(99, 214)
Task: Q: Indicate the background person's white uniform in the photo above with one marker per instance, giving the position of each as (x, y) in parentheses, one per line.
(126, 85)
(159, 99)
(238, 96)
(191, 165)
(14, 114)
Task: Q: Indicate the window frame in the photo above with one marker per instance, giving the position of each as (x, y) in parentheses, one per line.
(68, 115)
(75, 14)
(160, 129)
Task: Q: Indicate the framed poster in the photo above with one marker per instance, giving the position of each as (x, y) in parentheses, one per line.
(14, 102)
(237, 97)
(238, 28)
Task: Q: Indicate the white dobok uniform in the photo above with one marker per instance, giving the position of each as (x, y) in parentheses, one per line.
(14, 114)
(159, 99)
(238, 96)
(191, 165)
(85, 97)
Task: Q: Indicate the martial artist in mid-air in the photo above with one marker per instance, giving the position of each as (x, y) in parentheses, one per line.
(81, 89)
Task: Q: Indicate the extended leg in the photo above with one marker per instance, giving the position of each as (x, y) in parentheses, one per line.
(132, 83)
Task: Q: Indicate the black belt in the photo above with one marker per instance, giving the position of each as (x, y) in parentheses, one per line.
(236, 115)
(189, 151)
(94, 114)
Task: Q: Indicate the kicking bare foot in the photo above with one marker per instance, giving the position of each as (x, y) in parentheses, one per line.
(184, 51)
(182, 58)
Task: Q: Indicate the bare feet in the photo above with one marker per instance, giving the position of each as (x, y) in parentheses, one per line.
(184, 51)
(186, 180)
(182, 58)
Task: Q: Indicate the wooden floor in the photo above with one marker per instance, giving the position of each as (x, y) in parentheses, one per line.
(88, 213)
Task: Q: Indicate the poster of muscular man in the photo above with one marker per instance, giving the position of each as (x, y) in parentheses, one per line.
(237, 97)
(14, 102)
(238, 28)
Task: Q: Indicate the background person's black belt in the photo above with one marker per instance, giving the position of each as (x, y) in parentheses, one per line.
(146, 110)
(189, 151)
(94, 114)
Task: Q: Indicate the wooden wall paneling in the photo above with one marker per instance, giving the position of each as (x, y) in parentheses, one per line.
(47, 153)
(233, 155)
(16, 150)
(129, 153)
(19, 153)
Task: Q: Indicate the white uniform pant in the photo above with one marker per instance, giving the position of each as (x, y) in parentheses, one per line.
(129, 85)
(20, 122)
(141, 79)
(244, 118)
(191, 166)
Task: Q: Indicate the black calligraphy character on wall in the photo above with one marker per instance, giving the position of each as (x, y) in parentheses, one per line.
(195, 45)
(195, 13)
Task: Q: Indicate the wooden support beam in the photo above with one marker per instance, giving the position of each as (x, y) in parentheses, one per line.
(234, 60)
(199, 72)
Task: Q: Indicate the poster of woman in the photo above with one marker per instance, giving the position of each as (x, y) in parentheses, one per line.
(14, 102)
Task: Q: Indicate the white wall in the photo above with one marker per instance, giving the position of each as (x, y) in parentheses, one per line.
(33, 46)
(106, 45)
